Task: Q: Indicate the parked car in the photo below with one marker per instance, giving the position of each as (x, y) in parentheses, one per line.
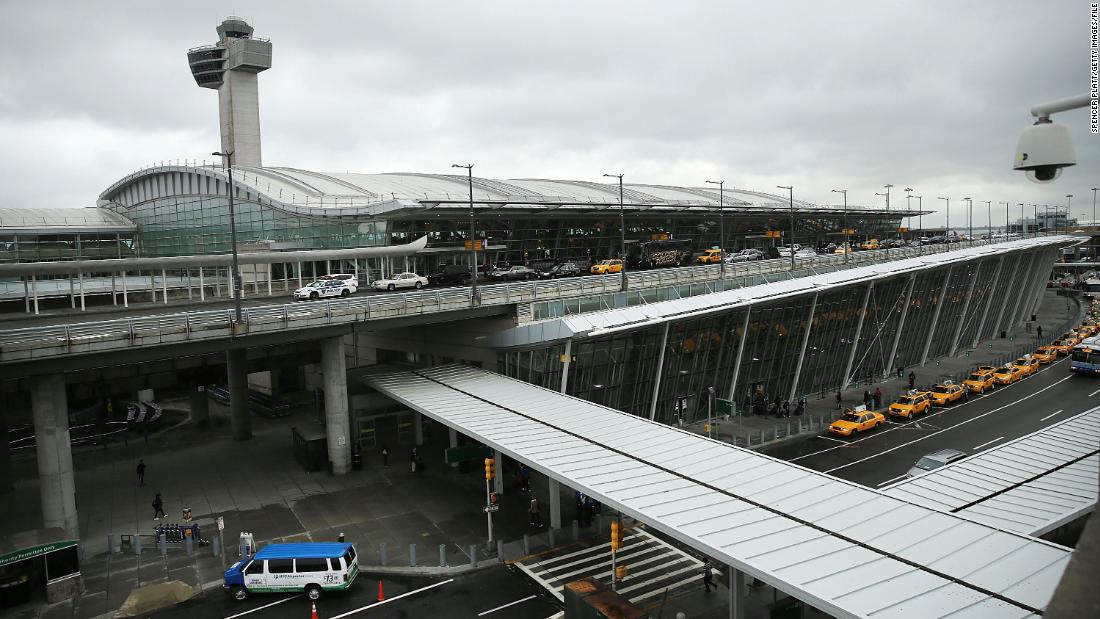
(745, 255)
(856, 420)
(870, 244)
(604, 267)
(450, 275)
(710, 256)
(947, 392)
(347, 278)
(910, 404)
(401, 280)
(322, 289)
(514, 272)
(979, 382)
(565, 269)
(935, 460)
(1007, 375)
(805, 252)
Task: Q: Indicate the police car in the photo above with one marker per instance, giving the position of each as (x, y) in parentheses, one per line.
(310, 567)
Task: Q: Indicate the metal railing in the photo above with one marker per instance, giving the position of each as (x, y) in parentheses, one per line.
(98, 336)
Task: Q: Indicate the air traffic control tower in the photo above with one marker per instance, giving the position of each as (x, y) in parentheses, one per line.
(231, 66)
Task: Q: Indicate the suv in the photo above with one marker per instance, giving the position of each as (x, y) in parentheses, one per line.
(911, 404)
(935, 460)
(450, 274)
(565, 269)
(514, 272)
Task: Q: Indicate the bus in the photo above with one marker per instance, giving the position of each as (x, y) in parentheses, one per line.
(664, 253)
(296, 567)
(1086, 357)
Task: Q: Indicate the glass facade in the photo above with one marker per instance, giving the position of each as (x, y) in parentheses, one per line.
(899, 316)
(28, 247)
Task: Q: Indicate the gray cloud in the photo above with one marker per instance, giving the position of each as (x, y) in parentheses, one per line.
(820, 95)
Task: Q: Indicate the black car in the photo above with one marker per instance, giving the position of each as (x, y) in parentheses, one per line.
(565, 269)
(450, 275)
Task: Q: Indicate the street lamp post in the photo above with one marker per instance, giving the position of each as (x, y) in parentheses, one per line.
(920, 216)
(227, 156)
(947, 230)
(989, 220)
(1023, 227)
(721, 227)
(473, 240)
(847, 248)
(790, 188)
(622, 229)
(970, 219)
(1094, 189)
(1069, 203)
(1008, 207)
(908, 204)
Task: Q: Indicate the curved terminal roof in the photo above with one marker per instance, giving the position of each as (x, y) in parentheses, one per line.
(54, 220)
(397, 194)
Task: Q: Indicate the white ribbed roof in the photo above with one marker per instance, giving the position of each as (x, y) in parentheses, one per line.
(843, 548)
(53, 220)
(1032, 484)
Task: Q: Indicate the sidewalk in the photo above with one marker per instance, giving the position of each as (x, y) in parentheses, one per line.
(1057, 314)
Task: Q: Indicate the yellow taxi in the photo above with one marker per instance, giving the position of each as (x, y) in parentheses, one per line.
(1062, 347)
(910, 404)
(842, 249)
(604, 267)
(947, 392)
(1045, 354)
(870, 244)
(1084, 332)
(979, 382)
(710, 256)
(856, 420)
(1070, 338)
(1007, 375)
(1028, 365)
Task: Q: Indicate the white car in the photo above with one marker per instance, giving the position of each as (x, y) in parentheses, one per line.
(805, 252)
(323, 288)
(401, 280)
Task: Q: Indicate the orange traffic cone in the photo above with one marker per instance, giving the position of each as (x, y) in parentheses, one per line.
(313, 615)
(381, 596)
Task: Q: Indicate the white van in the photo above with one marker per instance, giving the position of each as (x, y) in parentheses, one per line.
(294, 568)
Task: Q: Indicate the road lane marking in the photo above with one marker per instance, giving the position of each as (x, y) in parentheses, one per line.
(962, 423)
(493, 610)
(829, 438)
(1094, 393)
(1051, 415)
(1001, 438)
(264, 606)
(890, 480)
(396, 597)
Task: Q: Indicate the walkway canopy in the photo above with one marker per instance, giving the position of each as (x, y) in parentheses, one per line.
(845, 549)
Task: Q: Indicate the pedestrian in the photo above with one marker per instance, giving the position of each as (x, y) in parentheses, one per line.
(385, 456)
(412, 465)
(524, 478)
(419, 465)
(878, 398)
(534, 517)
(412, 454)
(158, 507)
(912, 379)
(838, 400)
(141, 472)
(867, 398)
(708, 576)
(1039, 331)
(786, 408)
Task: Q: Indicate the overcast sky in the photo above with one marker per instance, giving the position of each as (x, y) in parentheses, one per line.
(930, 95)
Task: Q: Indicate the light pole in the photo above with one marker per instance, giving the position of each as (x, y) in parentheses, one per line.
(227, 156)
(721, 227)
(970, 219)
(622, 228)
(1023, 228)
(1008, 207)
(989, 219)
(790, 188)
(847, 248)
(947, 230)
(1094, 189)
(473, 240)
(908, 207)
(920, 217)
(710, 404)
(1069, 202)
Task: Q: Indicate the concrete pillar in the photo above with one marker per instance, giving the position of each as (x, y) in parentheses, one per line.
(418, 429)
(200, 404)
(452, 440)
(125, 297)
(236, 367)
(555, 505)
(54, 451)
(337, 422)
(737, 593)
(498, 480)
(566, 358)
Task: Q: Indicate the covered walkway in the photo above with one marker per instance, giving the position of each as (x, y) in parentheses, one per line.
(842, 548)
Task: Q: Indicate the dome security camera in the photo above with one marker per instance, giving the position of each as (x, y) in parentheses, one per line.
(1043, 151)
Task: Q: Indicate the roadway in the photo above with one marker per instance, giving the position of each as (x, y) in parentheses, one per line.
(884, 455)
(494, 593)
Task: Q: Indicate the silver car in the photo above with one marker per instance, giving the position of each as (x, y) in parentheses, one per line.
(935, 460)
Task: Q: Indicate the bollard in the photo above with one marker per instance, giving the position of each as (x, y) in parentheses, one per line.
(473, 555)
(442, 555)
(162, 540)
(188, 545)
(382, 553)
(111, 544)
(500, 550)
(550, 536)
(788, 427)
(412, 555)
(216, 545)
(135, 543)
(526, 544)
(576, 530)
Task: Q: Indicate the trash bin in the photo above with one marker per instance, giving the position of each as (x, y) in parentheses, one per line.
(1033, 318)
(1004, 334)
(356, 460)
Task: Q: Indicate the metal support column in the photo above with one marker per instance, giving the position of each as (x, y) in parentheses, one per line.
(202, 286)
(901, 322)
(566, 358)
(81, 280)
(72, 294)
(988, 303)
(737, 592)
(498, 479)
(164, 285)
(125, 295)
(657, 376)
(34, 293)
(855, 338)
(1008, 291)
(802, 353)
(1040, 285)
(1013, 319)
(936, 314)
(26, 296)
(740, 355)
(966, 308)
(555, 504)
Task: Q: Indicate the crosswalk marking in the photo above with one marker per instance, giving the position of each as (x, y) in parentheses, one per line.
(654, 567)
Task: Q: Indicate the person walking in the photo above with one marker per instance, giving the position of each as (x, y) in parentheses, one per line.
(158, 507)
(708, 576)
(385, 456)
(839, 400)
(1039, 331)
(912, 379)
(867, 398)
(534, 517)
(141, 472)
(878, 398)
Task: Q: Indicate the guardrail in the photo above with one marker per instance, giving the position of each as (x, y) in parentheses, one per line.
(99, 336)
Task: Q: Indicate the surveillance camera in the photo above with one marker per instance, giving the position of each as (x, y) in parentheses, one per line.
(1043, 150)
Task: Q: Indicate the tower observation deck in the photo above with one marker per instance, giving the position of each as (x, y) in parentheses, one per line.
(231, 66)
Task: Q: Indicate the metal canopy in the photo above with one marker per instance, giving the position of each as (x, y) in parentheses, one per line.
(1032, 485)
(845, 549)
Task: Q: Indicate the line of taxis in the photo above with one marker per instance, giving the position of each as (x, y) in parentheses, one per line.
(984, 378)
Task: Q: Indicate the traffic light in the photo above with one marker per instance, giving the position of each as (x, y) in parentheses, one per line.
(490, 468)
(616, 536)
